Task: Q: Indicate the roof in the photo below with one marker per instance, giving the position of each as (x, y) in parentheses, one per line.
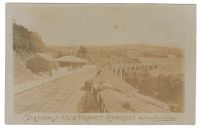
(72, 59)
(46, 56)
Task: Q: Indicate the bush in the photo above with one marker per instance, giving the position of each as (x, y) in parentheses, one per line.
(126, 105)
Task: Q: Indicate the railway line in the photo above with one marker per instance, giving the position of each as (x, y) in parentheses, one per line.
(54, 96)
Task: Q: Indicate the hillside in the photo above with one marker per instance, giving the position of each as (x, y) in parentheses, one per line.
(130, 53)
(25, 41)
(21, 72)
(25, 44)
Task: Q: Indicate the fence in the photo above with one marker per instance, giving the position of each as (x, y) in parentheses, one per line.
(99, 100)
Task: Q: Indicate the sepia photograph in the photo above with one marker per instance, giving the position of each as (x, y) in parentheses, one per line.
(84, 63)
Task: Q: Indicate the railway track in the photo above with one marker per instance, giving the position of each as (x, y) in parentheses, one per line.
(59, 95)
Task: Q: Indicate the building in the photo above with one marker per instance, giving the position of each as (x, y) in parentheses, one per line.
(41, 63)
(71, 62)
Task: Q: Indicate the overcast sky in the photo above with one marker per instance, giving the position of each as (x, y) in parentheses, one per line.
(108, 24)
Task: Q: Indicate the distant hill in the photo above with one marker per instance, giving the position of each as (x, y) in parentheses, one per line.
(25, 41)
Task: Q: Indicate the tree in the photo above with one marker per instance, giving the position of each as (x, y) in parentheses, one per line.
(82, 51)
(59, 54)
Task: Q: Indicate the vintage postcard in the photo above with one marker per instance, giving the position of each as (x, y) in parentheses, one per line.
(100, 63)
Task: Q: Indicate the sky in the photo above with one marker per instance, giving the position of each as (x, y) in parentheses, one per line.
(108, 24)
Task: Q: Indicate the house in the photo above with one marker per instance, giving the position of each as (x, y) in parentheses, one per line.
(41, 63)
(71, 61)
